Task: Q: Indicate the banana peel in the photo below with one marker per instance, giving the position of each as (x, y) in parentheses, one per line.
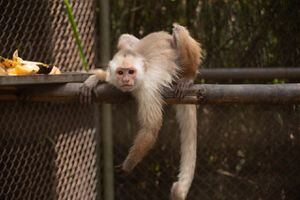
(17, 66)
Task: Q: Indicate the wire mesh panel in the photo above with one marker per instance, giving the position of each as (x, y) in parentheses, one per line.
(40, 30)
(47, 150)
(244, 152)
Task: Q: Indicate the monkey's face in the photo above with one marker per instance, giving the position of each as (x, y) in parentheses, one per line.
(127, 72)
(126, 78)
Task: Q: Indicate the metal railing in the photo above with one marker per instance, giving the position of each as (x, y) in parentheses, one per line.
(49, 148)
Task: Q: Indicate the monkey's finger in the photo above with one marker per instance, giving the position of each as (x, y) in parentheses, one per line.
(120, 176)
(120, 171)
(85, 95)
(81, 95)
(88, 96)
(118, 168)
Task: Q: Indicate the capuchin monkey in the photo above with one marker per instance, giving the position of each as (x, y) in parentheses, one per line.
(145, 67)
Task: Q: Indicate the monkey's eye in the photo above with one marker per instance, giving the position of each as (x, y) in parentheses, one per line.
(131, 71)
(120, 72)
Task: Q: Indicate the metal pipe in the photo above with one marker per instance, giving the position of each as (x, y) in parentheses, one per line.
(198, 94)
(106, 114)
(249, 73)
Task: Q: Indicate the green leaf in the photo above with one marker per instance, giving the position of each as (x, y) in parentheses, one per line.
(76, 34)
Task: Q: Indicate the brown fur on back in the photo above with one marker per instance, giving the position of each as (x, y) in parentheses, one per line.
(157, 48)
(180, 49)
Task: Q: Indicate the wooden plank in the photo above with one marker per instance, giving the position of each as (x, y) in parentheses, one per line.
(70, 77)
(208, 74)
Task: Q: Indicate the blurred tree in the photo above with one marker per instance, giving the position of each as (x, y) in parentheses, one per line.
(234, 33)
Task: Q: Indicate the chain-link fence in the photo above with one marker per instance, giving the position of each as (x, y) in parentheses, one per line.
(244, 152)
(40, 30)
(47, 150)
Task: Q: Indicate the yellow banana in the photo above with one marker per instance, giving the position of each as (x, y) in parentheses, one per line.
(2, 71)
(18, 66)
(7, 63)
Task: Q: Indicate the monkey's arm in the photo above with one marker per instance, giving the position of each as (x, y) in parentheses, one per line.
(150, 119)
(86, 91)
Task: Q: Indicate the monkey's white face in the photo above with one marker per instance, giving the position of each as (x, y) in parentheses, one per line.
(126, 72)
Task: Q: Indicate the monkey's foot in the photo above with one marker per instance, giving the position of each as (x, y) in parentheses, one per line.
(177, 192)
(177, 30)
(182, 86)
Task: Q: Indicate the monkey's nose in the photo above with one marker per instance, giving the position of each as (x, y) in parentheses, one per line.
(126, 80)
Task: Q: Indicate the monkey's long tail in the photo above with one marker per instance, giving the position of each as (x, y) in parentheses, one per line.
(187, 118)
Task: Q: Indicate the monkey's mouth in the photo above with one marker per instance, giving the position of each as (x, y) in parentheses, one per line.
(126, 87)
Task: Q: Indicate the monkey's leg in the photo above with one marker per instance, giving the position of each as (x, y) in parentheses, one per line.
(189, 53)
(187, 118)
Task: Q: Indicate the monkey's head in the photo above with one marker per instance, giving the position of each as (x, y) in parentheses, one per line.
(126, 70)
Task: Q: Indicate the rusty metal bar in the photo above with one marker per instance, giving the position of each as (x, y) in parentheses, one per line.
(250, 73)
(198, 94)
(106, 114)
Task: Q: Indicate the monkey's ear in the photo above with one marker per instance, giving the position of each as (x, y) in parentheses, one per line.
(127, 41)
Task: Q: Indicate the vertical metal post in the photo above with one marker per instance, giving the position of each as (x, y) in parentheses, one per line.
(107, 150)
(106, 115)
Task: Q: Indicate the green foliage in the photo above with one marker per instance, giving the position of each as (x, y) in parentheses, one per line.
(234, 33)
(69, 11)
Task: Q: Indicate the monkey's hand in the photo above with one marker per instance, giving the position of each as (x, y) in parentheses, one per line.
(126, 167)
(86, 90)
(120, 171)
(182, 86)
(177, 193)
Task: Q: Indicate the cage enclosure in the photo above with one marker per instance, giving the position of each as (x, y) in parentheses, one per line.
(50, 150)
(47, 150)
